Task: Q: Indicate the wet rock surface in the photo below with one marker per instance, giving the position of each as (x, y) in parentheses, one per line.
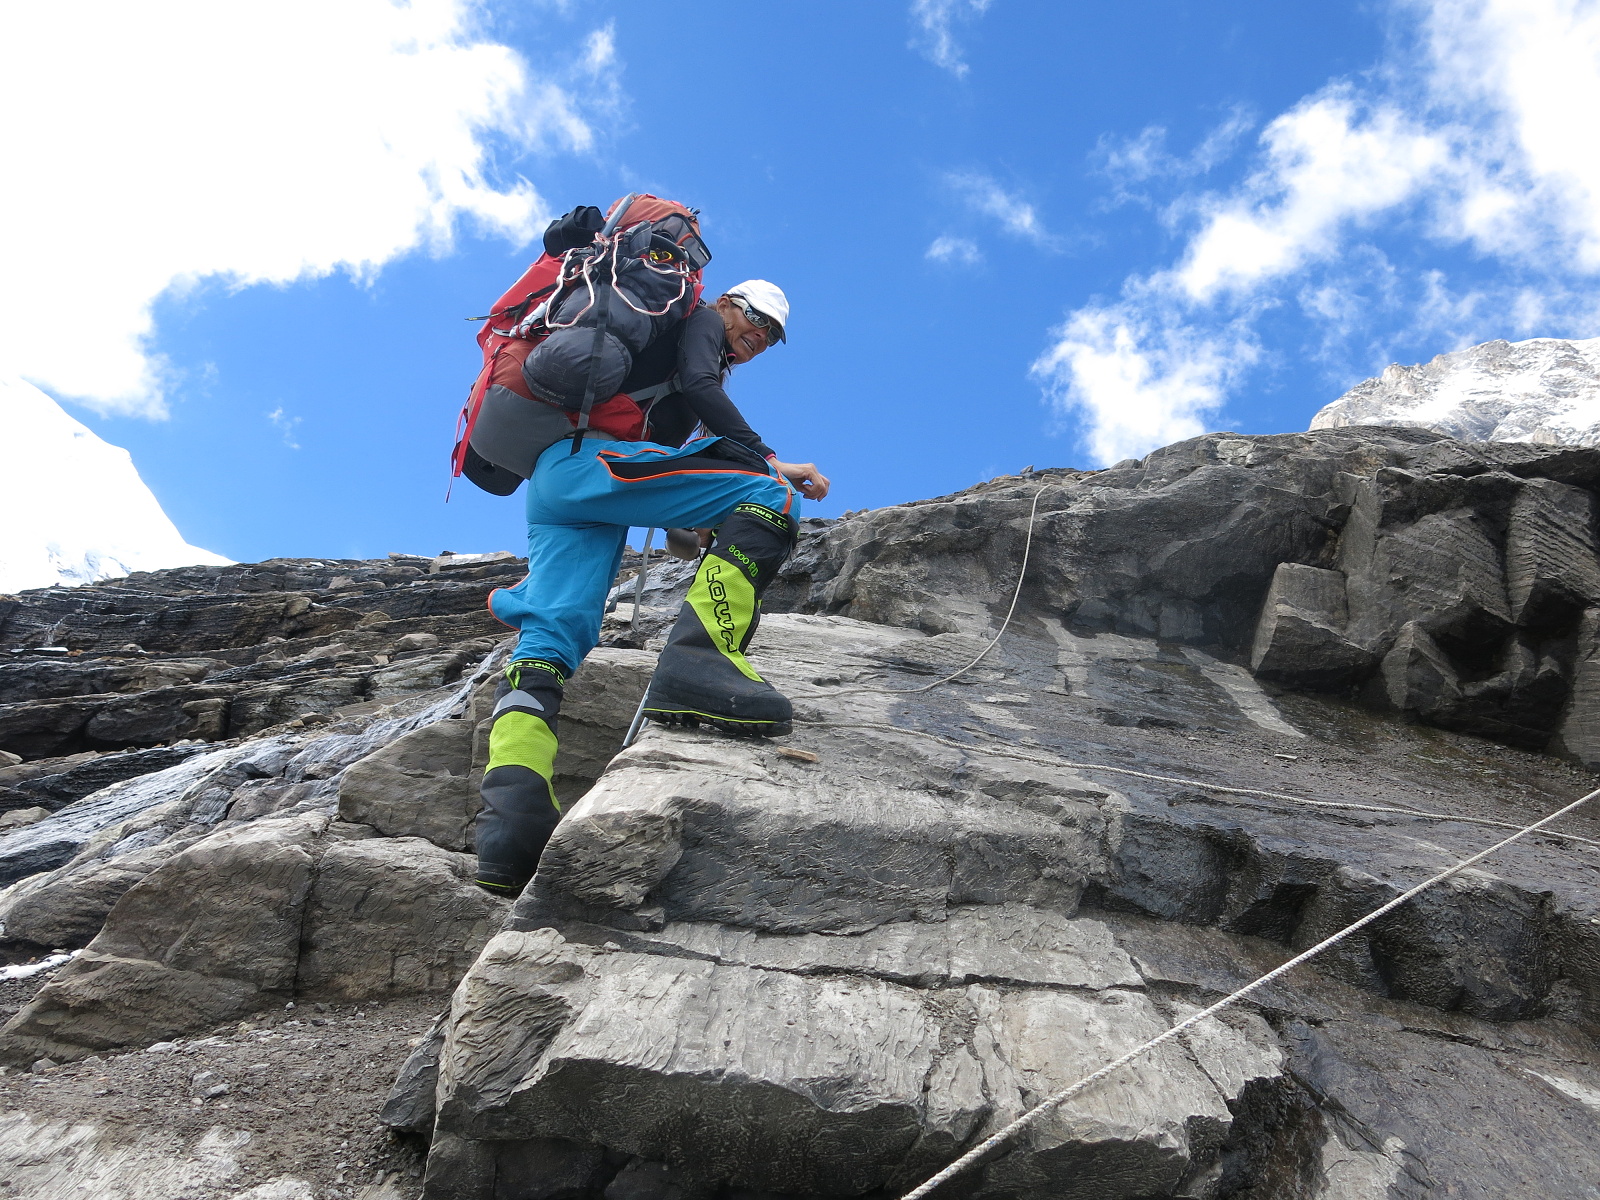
(824, 965)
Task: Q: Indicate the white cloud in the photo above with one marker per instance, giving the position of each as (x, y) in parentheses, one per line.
(1486, 143)
(149, 146)
(1326, 164)
(935, 37)
(1138, 384)
(1525, 74)
(1135, 160)
(954, 250)
(602, 72)
(600, 49)
(1016, 216)
(285, 425)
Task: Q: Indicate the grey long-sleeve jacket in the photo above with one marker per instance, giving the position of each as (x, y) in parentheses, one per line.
(694, 350)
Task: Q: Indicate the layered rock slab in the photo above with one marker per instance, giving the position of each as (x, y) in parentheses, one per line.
(425, 784)
(176, 882)
(254, 916)
(771, 976)
(817, 1083)
(708, 892)
(922, 855)
(1310, 554)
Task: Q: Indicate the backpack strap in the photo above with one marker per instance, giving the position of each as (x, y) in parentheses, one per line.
(601, 326)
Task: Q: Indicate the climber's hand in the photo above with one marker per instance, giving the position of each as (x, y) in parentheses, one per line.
(813, 484)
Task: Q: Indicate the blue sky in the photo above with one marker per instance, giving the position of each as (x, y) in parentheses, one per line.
(1012, 232)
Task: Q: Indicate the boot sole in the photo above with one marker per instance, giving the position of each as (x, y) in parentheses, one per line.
(691, 718)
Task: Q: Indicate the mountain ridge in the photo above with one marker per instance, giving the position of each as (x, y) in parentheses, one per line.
(1542, 390)
(76, 508)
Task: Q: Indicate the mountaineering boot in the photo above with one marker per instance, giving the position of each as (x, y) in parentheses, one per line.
(702, 676)
(520, 809)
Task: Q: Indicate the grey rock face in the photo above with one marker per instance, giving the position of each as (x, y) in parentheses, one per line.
(67, 908)
(16, 818)
(1444, 581)
(672, 1026)
(391, 916)
(257, 915)
(410, 1105)
(825, 965)
(426, 783)
(75, 679)
(46, 679)
(889, 1083)
(419, 785)
(280, 642)
(1300, 637)
(1579, 734)
(1541, 390)
(1552, 561)
(1181, 546)
(197, 942)
(600, 701)
(217, 886)
(751, 972)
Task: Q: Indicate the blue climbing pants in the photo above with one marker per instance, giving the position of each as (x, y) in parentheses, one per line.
(580, 508)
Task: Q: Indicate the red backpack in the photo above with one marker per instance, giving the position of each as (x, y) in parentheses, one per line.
(639, 273)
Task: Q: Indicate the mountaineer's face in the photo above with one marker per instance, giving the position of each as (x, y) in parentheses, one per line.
(745, 340)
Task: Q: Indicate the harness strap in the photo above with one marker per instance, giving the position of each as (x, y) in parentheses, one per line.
(649, 395)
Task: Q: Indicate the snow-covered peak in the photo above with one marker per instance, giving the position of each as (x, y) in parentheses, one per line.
(72, 507)
(1540, 390)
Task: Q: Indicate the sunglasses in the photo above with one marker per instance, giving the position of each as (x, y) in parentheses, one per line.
(759, 319)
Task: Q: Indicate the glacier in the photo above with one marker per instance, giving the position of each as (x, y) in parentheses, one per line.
(73, 508)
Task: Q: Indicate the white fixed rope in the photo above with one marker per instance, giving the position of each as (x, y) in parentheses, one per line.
(972, 1157)
(1054, 760)
(994, 1142)
(1022, 571)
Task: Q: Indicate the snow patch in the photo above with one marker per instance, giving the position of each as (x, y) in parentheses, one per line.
(1582, 1093)
(24, 970)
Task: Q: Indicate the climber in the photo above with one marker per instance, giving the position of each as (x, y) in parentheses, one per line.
(580, 506)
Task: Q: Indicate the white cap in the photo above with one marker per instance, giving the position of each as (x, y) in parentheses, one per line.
(767, 299)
